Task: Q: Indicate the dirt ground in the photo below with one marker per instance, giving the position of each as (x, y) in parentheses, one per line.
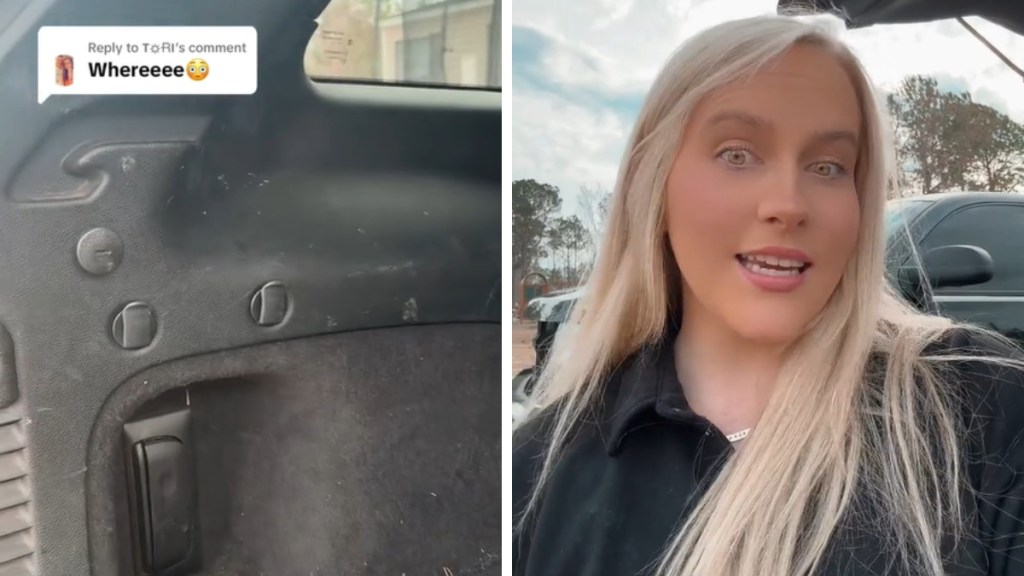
(522, 346)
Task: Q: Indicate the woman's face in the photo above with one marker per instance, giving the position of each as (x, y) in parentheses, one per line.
(762, 210)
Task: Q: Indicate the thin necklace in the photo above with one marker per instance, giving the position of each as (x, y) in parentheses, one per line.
(737, 436)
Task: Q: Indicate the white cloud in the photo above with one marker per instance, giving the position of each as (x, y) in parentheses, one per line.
(890, 53)
(616, 47)
(563, 143)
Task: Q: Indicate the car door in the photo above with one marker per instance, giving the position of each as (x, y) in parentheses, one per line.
(997, 228)
(252, 334)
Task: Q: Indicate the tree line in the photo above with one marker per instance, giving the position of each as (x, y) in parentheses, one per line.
(945, 141)
(560, 247)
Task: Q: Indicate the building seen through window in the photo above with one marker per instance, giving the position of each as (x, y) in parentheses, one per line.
(453, 43)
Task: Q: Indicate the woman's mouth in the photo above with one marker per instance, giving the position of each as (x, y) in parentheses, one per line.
(772, 265)
(774, 272)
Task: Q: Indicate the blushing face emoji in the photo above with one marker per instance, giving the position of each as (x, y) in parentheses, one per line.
(197, 69)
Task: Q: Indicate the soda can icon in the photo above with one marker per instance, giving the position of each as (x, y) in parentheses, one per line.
(65, 68)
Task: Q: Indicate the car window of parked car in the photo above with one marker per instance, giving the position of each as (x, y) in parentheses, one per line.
(993, 227)
(900, 216)
(899, 213)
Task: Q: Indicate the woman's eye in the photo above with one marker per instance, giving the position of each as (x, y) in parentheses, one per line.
(736, 157)
(828, 169)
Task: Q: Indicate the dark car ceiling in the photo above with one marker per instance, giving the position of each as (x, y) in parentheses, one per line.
(862, 13)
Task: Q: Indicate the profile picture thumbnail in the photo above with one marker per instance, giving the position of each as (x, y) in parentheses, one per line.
(65, 70)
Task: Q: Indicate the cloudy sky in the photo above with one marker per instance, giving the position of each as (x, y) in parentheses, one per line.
(580, 69)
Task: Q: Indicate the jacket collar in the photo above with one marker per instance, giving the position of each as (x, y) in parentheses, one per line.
(646, 385)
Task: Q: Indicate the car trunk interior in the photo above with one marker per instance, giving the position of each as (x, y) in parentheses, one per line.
(293, 367)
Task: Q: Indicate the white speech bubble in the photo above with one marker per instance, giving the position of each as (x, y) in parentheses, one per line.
(146, 60)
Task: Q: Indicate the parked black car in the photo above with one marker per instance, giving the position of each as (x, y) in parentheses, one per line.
(970, 246)
(983, 285)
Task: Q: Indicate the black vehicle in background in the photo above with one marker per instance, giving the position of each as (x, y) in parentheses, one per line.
(969, 245)
(972, 247)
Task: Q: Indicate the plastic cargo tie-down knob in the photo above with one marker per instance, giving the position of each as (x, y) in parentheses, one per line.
(270, 304)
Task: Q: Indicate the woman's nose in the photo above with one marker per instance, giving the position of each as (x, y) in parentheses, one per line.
(782, 202)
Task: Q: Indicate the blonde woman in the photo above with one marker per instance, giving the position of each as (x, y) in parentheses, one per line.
(740, 392)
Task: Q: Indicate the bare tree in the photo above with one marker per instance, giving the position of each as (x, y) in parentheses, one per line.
(931, 129)
(997, 149)
(567, 242)
(593, 205)
(900, 185)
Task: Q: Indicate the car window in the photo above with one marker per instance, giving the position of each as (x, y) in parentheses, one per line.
(451, 43)
(996, 228)
(899, 213)
(900, 217)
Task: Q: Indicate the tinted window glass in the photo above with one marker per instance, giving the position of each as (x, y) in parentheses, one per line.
(900, 216)
(996, 228)
(902, 212)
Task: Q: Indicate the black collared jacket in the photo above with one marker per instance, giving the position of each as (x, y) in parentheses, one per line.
(631, 475)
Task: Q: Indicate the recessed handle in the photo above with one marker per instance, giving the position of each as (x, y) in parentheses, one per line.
(163, 494)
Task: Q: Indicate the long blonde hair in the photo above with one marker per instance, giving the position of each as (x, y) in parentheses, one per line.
(833, 428)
